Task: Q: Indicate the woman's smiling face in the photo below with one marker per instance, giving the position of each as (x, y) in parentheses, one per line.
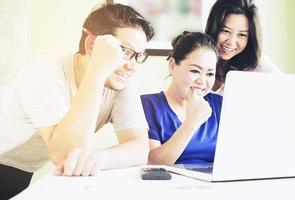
(233, 37)
(196, 72)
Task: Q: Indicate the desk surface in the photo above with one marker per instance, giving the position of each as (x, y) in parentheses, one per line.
(126, 184)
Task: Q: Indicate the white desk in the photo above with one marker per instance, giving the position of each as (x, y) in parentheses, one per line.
(126, 184)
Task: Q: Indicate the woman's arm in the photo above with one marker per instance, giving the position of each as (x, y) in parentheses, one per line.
(198, 111)
(169, 152)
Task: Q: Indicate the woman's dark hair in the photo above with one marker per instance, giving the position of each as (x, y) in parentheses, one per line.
(247, 59)
(109, 17)
(187, 42)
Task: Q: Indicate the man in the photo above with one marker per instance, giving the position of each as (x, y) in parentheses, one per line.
(58, 103)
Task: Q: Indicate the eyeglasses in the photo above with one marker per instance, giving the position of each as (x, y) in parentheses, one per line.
(128, 53)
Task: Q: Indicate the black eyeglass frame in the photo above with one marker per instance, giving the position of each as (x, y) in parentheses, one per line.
(134, 54)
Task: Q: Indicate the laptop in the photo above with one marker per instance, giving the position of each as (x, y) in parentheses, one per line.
(256, 137)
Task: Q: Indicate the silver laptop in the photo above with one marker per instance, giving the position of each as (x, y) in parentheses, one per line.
(256, 138)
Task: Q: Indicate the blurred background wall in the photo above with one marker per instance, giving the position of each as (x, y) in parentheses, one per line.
(29, 28)
(278, 25)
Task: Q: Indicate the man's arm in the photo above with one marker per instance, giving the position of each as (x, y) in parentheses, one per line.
(132, 150)
(77, 127)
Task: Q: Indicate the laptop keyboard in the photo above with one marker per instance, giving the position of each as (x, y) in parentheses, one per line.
(207, 170)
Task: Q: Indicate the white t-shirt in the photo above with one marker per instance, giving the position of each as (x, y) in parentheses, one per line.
(40, 97)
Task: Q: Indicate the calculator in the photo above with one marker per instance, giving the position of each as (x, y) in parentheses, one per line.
(155, 174)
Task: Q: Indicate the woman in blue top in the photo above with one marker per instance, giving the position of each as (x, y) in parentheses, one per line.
(183, 121)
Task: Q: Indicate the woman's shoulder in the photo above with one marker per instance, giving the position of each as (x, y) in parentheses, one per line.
(265, 64)
(214, 99)
(213, 96)
(155, 101)
(155, 97)
(154, 106)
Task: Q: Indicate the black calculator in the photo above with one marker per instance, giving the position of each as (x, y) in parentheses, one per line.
(155, 174)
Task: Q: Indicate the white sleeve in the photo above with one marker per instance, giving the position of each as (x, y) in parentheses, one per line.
(41, 90)
(127, 112)
(267, 65)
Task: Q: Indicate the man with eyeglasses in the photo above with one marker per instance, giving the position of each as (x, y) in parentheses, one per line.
(58, 103)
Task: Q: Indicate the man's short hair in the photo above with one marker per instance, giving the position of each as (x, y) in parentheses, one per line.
(109, 17)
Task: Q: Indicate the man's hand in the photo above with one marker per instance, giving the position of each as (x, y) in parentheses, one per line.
(80, 162)
(107, 54)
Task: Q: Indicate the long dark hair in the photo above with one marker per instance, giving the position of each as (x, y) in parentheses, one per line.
(247, 59)
(107, 18)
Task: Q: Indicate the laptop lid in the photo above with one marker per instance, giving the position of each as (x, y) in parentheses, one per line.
(256, 137)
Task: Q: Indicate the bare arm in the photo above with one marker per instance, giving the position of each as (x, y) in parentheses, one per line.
(132, 150)
(198, 111)
(78, 125)
(170, 151)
